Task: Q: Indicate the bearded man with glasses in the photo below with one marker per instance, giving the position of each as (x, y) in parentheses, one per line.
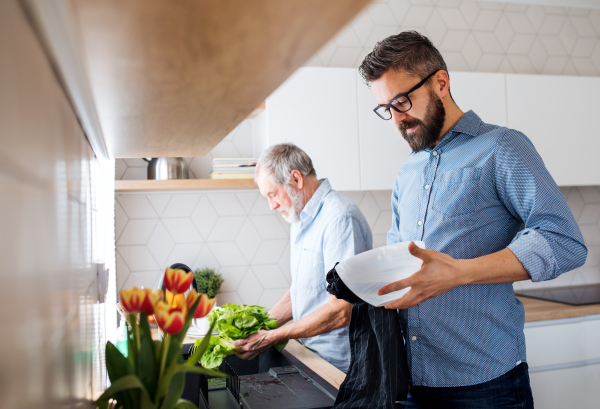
(490, 214)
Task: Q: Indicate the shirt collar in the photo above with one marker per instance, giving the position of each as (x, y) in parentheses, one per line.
(312, 207)
(469, 124)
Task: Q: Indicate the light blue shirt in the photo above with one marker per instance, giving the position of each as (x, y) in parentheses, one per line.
(331, 229)
(482, 189)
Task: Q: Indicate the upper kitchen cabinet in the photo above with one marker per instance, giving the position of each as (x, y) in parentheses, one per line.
(558, 114)
(316, 109)
(484, 93)
(383, 150)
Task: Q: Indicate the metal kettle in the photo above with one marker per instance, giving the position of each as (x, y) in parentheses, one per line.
(167, 168)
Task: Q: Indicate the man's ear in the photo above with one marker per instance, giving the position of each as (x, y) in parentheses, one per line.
(297, 179)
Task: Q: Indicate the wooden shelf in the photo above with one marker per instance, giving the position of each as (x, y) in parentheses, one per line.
(122, 186)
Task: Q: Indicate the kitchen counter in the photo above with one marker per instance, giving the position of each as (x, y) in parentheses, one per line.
(540, 310)
(535, 310)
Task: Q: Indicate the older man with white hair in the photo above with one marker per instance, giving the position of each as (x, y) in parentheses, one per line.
(327, 227)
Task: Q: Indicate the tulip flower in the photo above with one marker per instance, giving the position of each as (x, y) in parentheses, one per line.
(136, 300)
(171, 318)
(177, 280)
(171, 298)
(204, 306)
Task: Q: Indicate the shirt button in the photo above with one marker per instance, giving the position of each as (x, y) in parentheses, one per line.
(434, 153)
(420, 223)
(414, 338)
(426, 187)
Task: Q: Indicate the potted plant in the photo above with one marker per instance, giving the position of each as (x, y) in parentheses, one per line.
(209, 283)
(152, 375)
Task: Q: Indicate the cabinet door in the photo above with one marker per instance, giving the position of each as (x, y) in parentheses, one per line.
(484, 93)
(559, 115)
(316, 110)
(383, 150)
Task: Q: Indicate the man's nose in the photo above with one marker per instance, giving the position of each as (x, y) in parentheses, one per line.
(398, 117)
(273, 205)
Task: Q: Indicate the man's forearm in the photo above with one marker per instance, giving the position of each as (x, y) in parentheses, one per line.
(282, 310)
(500, 267)
(332, 315)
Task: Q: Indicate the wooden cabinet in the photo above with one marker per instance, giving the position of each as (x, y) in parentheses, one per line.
(564, 362)
(316, 109)
(558, 114)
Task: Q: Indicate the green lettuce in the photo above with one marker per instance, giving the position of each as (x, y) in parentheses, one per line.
(234, 322)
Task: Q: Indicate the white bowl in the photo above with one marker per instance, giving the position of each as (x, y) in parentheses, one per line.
(367, 272)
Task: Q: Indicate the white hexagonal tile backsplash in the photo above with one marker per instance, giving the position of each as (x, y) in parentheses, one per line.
(252, 251)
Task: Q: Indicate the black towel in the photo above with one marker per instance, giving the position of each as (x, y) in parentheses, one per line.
(378, 372)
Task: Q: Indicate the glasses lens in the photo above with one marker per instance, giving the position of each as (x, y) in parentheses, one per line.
(383, 112)
(402, 104)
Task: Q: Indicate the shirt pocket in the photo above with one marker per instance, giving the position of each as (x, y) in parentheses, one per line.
(455, 192)
(310, 269)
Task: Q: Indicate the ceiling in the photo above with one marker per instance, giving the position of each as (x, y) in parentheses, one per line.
(173, 78)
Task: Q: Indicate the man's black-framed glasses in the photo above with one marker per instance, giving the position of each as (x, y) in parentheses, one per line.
(400, 103)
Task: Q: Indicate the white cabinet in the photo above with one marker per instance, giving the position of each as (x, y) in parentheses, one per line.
(383, 150)
(564, 362)
(316, 109)
(558, 114)
(484, 93)
(328, 112)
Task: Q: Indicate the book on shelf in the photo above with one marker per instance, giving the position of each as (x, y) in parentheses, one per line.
(231, 176)
(245, 169)
(233, 162)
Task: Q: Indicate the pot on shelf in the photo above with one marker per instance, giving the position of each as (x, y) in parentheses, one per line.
(167, 168)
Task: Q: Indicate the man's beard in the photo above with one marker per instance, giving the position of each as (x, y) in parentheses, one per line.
(297, 199)
(429, 129)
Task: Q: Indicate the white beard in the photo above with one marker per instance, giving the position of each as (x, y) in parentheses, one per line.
(293, 213)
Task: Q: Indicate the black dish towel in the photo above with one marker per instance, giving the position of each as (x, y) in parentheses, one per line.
(378, 372)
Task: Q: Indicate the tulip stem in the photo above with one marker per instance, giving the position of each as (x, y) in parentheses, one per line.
(165, 352)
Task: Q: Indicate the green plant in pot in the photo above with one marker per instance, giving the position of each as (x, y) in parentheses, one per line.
(209, 283)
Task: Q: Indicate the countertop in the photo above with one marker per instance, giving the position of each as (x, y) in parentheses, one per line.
(535, 310)
(540, 310)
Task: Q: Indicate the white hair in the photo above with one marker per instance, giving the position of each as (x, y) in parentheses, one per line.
(278, 161)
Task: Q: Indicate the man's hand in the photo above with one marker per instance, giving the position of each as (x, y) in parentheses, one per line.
(255, 344)
(439, 273)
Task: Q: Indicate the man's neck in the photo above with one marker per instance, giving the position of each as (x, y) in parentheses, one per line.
(453, 115)
(311, 185)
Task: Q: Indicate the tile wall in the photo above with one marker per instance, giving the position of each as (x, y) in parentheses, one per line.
(482, 36)
(235, 232)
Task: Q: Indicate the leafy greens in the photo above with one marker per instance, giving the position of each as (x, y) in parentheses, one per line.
(234, 322)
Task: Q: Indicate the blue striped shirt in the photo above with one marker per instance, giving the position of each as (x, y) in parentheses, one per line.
(483, 188)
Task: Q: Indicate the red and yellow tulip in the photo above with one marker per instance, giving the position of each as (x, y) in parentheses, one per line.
(136, 300)
(177, 280)
(171, 318)
(204, 306)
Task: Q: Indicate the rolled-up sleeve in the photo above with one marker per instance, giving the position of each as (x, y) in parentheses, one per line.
(343, 239)
(550, 242)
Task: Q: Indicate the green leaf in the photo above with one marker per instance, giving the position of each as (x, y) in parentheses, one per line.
(126, 383)
(148, 365)
(200, 370)
(280, 347)
(117, 366)
(174, 391)
(184, 404)
(201, 348)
